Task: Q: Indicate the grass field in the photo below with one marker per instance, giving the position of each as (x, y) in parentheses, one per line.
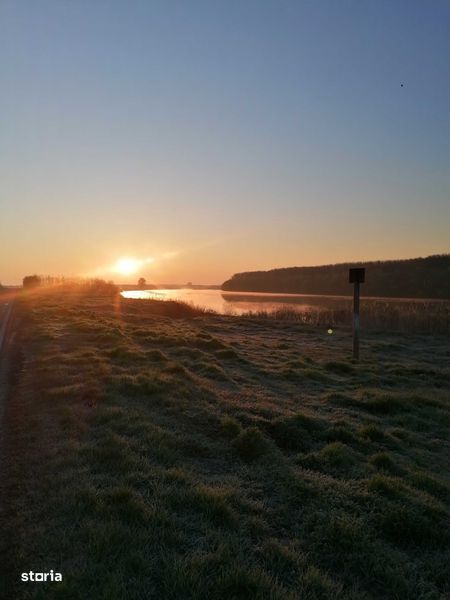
(157, 452)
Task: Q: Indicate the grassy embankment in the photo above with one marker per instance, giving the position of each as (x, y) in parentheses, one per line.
(152, 456)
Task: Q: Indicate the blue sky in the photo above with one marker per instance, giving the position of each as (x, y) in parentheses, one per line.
(218, 137)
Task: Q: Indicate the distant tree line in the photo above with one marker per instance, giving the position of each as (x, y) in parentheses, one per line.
(413, 278)
(94, 285)
(30, 281)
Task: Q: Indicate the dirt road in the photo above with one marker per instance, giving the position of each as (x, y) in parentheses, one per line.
(5, 314)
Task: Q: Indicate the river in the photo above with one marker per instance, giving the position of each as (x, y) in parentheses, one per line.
(241, 302)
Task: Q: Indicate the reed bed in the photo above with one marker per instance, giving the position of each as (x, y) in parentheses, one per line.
(425, 317)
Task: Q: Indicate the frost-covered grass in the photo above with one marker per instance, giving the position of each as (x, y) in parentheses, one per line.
(166, 453)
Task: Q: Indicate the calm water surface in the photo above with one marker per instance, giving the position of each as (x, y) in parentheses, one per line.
(241, 302)
(237, 303)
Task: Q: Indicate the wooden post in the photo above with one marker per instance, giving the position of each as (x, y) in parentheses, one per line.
(356, 276)
(355, 326)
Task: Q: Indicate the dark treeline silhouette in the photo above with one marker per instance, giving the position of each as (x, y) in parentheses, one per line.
(413, 278)
(85, 285)
(31, 281)
(43, 280)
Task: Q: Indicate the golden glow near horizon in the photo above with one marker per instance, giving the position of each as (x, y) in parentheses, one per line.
(129, 266)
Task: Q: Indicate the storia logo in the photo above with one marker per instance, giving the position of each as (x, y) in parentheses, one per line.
(50, 576)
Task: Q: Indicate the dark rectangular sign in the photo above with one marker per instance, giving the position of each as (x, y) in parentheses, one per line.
(356, 275)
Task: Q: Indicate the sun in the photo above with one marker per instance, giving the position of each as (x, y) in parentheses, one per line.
(127, 266)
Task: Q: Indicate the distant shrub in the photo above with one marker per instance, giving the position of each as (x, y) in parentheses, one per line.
(99, 287)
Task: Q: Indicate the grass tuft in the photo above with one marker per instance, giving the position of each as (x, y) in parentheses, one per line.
(339, 367)
(230, 427)
(293, 432)
(251, 444)
(383, 461)
(372, 432)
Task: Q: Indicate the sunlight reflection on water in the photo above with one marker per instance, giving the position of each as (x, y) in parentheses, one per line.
(242, 302)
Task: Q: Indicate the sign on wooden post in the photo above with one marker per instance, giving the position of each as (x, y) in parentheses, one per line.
(356, 276)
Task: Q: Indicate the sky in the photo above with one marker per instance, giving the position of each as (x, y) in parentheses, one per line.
(196, 139)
